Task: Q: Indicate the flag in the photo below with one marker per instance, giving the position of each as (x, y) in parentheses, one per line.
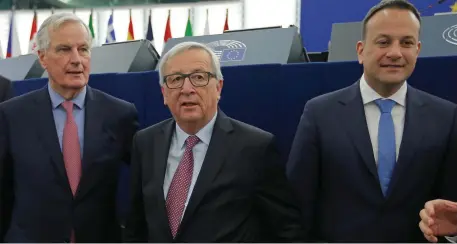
(13, 48)
(454, 7)
(1, 51)
(226, 26)
(149, 34)
(110, 34)
(206, 31)
(130, 35)
(91, 27)
(33, 30)
(188, 26)
(167, 29)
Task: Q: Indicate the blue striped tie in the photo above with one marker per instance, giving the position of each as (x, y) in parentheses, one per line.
(386, 143)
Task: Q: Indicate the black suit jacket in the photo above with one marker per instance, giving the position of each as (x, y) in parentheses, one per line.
(241, 194)
(36, 203)
(6, 89)
(334, 173)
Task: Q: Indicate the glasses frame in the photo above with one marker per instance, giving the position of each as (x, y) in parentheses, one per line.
(184, 76)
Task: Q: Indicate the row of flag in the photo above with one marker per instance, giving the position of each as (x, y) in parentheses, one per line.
(13, 40)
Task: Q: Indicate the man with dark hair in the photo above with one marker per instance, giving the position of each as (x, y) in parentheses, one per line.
(6, 90)
(389, 4)
(366, 158)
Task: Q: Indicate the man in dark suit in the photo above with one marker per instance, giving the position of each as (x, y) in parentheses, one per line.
(202, 176)
(62, 146)
(6, 89)
(366, 158)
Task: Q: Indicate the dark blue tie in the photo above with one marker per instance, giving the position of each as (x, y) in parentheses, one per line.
(386, 143)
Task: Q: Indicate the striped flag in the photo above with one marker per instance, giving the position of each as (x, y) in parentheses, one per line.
(33, 30)
(226, 25)
(91, 27)
(130, 34)
(13, 48)
(206, 31)
(110, 34)
(189, 31)
(149, 33)
(167, 34)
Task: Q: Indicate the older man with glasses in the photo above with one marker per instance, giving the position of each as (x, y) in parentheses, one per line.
(202, 176)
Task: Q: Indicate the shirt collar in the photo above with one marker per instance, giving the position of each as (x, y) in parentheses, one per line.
(57, 99)
(369, 94)
(204, 134)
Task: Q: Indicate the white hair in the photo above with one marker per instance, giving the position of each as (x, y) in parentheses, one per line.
(184, 46)
(53, 22)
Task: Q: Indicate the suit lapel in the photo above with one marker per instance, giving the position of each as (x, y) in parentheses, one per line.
(93, 128)
(412, 134)
(160, 156)
(354, 120)
(93, 139)
(214, 159)
(48, 134)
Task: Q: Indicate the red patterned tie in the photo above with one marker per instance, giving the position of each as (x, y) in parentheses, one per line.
(179, 188)
(71, 151)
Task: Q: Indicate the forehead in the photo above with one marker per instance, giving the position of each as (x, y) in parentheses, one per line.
(69, 33)
(188, 61)
(393, 22)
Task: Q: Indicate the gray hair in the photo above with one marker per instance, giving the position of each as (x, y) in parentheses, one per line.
(184, 46)
(53, 22)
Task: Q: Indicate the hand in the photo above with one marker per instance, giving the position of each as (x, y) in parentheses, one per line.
(438, 218)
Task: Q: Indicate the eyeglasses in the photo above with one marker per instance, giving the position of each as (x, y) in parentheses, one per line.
(197, 79)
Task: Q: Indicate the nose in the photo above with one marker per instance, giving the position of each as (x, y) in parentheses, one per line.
(394, 51)
(187, 86)
(75, 58)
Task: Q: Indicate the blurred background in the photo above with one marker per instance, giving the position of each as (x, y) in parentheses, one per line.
(113, 20)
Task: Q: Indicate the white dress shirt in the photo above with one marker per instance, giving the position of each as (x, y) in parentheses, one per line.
(177, 149)
(372, 113)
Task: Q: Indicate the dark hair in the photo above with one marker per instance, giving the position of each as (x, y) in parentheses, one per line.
(389, 4)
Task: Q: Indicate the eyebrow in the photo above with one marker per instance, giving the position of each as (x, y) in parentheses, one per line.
(68, 46)
(388, 36)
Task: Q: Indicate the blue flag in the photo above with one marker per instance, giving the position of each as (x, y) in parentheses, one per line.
(149, 35)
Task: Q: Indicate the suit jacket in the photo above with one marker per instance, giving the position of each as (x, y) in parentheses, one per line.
(333, 170)
(33, 179)
(241, 194)
(6, 89)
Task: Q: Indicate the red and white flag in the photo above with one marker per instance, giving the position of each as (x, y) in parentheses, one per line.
(33, 31)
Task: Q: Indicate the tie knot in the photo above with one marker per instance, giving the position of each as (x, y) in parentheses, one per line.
(385, 105)
(191, 141)
(68, 106)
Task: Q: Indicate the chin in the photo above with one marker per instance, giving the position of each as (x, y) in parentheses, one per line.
(75, 84)
(393, 79)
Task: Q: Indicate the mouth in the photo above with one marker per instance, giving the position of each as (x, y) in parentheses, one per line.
(188, 104)
(74, 72)
(394, 66)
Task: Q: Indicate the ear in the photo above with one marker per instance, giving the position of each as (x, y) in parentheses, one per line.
(164, 94)
(42, 58)
(419, 45)
(219, 86)
(360, 46)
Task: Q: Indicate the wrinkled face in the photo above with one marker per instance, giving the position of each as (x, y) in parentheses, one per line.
(191, 104)
(67, 59)
(391, 46)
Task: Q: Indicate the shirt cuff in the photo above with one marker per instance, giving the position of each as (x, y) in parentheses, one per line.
(452, 239)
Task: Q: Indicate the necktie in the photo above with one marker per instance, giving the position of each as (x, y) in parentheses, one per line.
(71, 152)
(386, 143)
(179, 188)
(71, 149)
